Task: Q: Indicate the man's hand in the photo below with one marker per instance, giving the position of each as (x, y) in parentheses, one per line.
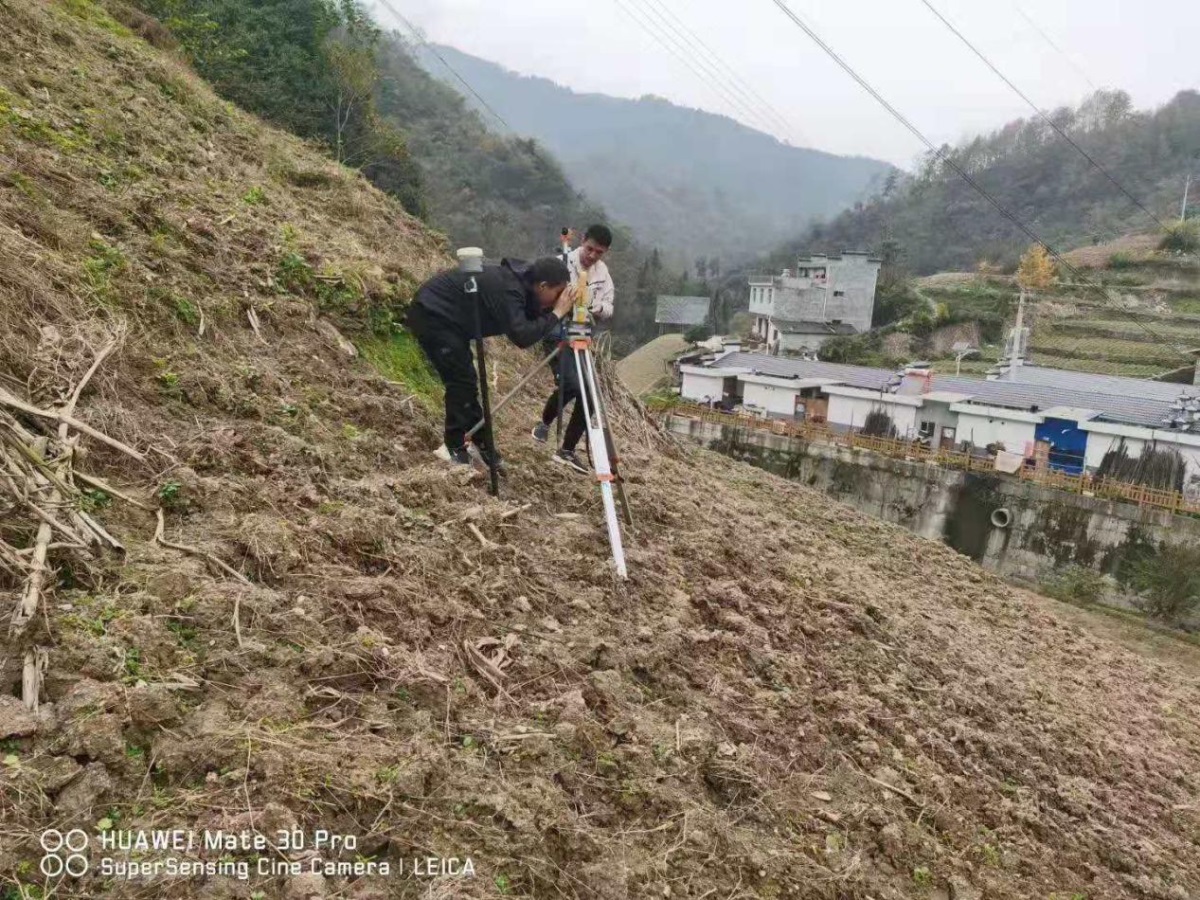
(565, 301)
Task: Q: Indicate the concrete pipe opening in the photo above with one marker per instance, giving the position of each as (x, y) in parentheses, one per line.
(1001, 518)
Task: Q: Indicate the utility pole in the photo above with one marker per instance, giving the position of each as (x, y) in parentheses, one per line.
(1187, 187)
(1017, 357)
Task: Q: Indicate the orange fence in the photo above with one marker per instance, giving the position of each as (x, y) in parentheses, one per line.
(915, 451)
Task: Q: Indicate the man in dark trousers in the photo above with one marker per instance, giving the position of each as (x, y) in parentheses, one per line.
(523, 301)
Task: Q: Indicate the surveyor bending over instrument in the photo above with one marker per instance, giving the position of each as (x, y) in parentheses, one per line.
(525, 302)
(593, 286)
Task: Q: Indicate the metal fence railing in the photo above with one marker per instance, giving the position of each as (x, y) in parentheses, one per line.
(916, 451)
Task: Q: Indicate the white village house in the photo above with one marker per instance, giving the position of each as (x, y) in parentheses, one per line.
(1081, 417)
(800, 309)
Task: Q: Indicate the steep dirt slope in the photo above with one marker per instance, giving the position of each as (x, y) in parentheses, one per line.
(786, 698)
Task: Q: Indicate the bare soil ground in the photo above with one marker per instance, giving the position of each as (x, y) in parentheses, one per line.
(646, 368)
(786, 699)
(1134, 246)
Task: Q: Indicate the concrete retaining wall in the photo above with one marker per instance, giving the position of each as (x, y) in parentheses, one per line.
(1048, 529)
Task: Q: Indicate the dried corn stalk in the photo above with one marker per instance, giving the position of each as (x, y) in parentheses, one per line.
(44, 511)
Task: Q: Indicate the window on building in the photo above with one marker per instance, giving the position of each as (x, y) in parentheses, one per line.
(926, 430)
(839, 293)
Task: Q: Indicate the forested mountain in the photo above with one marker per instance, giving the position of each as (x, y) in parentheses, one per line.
(309, 66)
(506, 194)
(509, 194)
(325, 71)
(694, 183)
(936, 221)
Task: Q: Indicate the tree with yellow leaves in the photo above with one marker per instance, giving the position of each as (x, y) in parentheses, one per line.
(1036, 271)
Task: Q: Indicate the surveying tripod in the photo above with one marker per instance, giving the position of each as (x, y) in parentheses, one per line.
(601, 448)
(575, 348)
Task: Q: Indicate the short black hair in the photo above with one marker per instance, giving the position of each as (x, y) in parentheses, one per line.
(550, 269)
(601, 234)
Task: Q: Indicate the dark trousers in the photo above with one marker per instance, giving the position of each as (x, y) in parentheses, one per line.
(448, 348)
(566, 377)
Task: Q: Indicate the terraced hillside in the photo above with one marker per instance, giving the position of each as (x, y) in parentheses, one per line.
(1143, 327)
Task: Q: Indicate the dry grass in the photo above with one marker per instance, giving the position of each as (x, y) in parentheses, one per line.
(785, 699)
(1133, 246)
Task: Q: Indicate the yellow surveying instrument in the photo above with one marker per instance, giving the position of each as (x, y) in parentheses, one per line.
(574, 348)
(579, 313)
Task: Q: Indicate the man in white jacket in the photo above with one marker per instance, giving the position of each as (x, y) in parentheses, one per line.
(589, 274)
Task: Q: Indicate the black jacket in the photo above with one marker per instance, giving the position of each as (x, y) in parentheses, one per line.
(506, 306)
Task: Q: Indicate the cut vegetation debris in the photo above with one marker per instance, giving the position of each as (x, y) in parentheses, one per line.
(786, 699)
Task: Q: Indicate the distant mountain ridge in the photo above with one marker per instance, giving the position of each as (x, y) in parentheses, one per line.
(691, 182)
(933, 220)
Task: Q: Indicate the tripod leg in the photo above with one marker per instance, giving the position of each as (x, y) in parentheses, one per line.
(525, 379)
(615, 461)
(614, 457)
(493, 470)
(595, 424)
(472, 288)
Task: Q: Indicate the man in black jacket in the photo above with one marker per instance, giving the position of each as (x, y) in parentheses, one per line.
(523, 301)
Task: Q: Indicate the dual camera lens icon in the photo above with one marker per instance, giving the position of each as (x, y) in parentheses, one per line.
(64, 853)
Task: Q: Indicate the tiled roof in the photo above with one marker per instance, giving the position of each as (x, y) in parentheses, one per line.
(1126, 408)
(1097, 384)
(782, 367)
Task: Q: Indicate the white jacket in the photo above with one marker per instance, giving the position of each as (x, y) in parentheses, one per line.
(601, 291)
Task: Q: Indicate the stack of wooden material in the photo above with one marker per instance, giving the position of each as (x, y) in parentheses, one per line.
(44, 514)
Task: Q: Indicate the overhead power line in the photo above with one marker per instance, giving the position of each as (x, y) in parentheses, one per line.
(681, 52)
(950, 163)
(1057, 49)
(723, 70)
(662, 17)
(420, 38)
(1058, 129)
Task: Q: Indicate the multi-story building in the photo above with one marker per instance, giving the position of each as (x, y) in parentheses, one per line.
(799, 309)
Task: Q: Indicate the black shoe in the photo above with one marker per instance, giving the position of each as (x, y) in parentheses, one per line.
(487, 455)
(459, 457)
(571, 460)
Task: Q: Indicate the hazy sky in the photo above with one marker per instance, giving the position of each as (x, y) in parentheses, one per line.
(1148, 48)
